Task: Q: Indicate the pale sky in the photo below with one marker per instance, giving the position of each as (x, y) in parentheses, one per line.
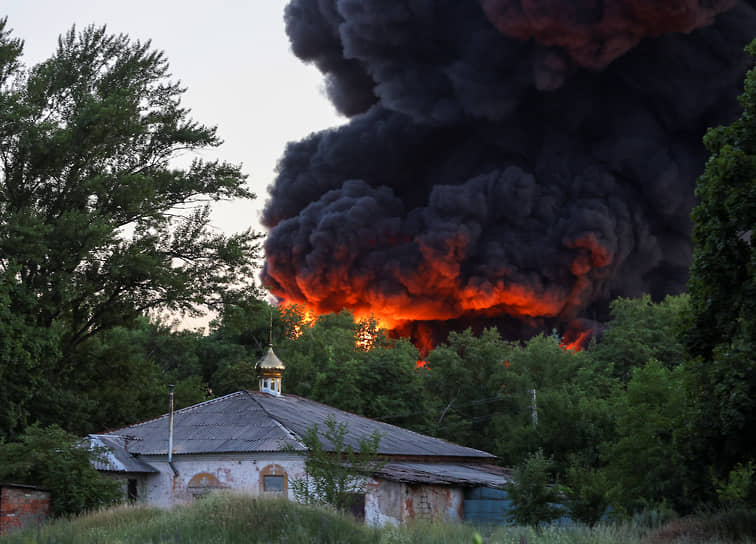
(232, 55)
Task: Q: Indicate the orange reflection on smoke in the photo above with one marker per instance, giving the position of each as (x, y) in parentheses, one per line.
(438, 289)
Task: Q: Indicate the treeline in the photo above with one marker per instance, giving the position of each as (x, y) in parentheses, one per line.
(100, 232)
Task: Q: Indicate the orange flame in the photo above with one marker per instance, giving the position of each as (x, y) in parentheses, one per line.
(438, 290)
(575, 339)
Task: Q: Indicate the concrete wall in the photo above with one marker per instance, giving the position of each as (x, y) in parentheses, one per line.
(22, 507)
(201, 474)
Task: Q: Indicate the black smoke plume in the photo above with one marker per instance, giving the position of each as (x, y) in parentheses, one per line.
(517, 163)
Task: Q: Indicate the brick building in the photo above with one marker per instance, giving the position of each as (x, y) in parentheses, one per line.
(22, 506)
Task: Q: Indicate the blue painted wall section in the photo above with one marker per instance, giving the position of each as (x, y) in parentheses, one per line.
(486, 505)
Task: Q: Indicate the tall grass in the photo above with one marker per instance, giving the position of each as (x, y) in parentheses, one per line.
(229, 518)
(222, 518)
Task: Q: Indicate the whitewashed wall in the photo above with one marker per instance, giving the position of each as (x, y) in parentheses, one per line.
(239, 472)
(386, 502)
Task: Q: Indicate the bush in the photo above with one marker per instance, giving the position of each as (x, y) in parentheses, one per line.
(56, 460)
(533, 499)
(587, 493)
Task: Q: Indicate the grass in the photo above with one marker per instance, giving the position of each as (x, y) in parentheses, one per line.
(228, 518)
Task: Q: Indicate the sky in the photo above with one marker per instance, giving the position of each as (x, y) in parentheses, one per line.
(233, 56)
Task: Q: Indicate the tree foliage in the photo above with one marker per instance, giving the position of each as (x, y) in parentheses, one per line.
(645, 461)
(58, 461)
(640, 330)
(534, 500)
(335, 473)
(721, 331)
(98, 223)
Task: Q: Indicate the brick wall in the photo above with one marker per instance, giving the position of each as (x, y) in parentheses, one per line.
(22, 507)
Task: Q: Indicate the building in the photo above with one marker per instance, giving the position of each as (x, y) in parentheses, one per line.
(249, 441)
(22, 507)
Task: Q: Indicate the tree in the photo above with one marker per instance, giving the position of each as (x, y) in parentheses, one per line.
(336, 473)
(720, 334)
(56, 460)
(467, 386)
(534, 501)
(98, 223)
(24, 349)
(587, 493)
(640, 330)
(645, 462)
(572, 393)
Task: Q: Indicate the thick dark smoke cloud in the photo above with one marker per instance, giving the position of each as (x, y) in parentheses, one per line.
(520, 161)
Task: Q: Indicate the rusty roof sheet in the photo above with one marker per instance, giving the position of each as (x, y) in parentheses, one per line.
(251, 421)
(465, 475)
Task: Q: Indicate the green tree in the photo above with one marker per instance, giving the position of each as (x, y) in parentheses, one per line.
(645, 462)
(335, 472)
(24, 349)
(534, 500)
(640, 330)
(587, 493)
(720, 335)
(98, 223)
(572, 403)
(467, 388)
(52, 458)
(392, 384)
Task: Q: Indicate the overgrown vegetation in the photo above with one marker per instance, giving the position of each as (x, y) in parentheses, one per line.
(57, 461)
(335, 472)
(239, 519)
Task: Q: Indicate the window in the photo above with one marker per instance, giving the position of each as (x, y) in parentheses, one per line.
(273, 483)
(131, 493)
(357, 506)
(202, 484)
(273, 479)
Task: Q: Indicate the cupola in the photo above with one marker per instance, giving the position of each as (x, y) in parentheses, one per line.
(270, 372)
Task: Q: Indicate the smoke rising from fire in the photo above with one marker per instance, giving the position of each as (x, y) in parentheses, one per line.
(509, 163)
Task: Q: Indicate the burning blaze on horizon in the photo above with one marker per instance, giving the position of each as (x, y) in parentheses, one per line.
(509, 163)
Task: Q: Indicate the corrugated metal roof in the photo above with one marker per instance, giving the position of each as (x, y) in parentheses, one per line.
(299, 414)
(234, 423)
(446, 474)
(114, 456)
(251, 421)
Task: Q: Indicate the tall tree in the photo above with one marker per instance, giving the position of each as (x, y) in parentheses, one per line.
(640, 330)
(721, 333)
(98, 223)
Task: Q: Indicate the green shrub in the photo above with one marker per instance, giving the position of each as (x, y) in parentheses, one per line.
(533, 499)
(56, 460)
(587, 493)
(738, 488)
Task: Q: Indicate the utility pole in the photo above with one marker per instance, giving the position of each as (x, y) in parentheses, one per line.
(533, 408)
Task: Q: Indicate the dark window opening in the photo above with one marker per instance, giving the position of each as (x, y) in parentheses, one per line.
(273, 483)
(131, 490)
(357, 506)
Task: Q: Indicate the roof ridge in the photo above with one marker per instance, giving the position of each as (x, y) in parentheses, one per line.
(275, 420)
(181, 410)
